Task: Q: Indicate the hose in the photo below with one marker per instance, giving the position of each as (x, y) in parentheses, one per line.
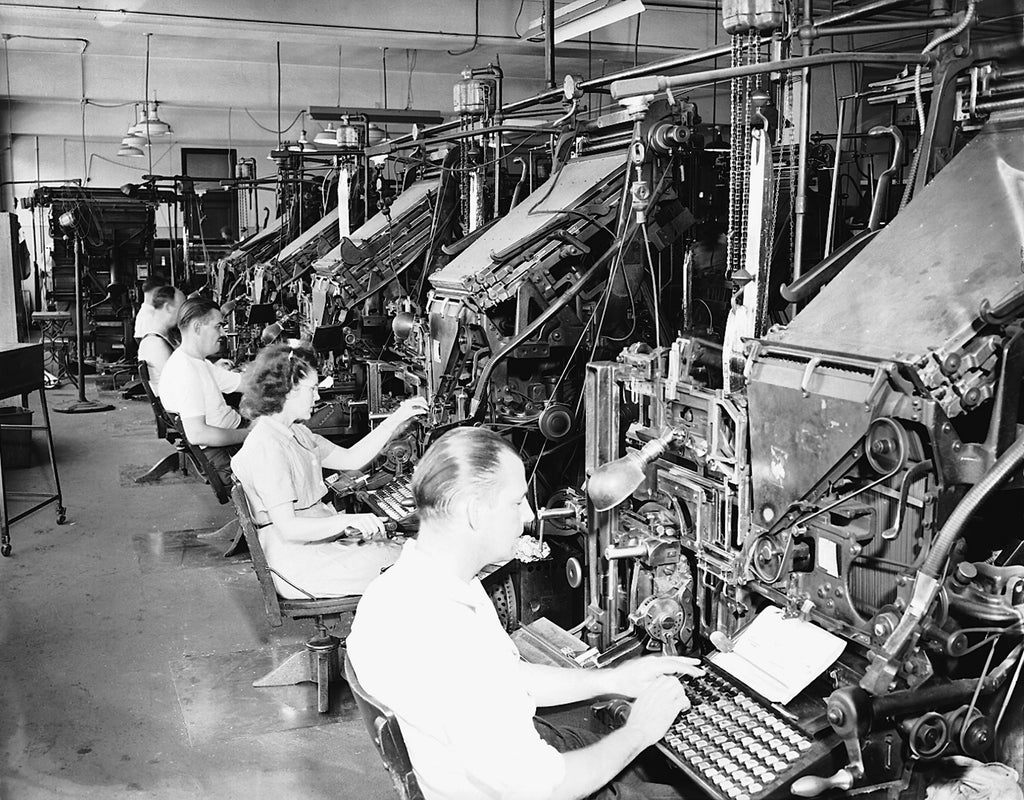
(1001, 470)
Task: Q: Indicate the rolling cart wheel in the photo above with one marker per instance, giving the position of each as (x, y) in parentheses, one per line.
(5, 549)
(62, 515)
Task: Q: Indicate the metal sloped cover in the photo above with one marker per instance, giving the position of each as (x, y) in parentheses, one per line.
(564, 189)
(919, 284)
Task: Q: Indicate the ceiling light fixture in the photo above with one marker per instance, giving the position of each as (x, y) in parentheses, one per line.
(149, 123)
(129, 150)
(584, 16)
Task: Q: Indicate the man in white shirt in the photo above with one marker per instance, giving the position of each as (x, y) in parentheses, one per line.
(427, 643)
(157, 345)
(194, 389)
(144, 319)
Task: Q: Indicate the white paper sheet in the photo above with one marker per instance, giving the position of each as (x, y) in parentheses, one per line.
(778, 657)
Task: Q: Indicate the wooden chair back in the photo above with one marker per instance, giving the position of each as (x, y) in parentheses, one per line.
(259, 558)
(220, 488)
(154, 401)
(382, 725)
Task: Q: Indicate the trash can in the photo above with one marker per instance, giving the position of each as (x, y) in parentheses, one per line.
(16, 445)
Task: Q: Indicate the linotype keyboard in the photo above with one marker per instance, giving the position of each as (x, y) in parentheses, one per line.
(393, 500)
(735, 746)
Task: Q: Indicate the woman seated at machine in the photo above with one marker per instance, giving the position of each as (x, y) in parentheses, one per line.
(161, 338)
(310, 546)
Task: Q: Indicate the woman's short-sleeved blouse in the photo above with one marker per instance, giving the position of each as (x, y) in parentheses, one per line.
(281, 464)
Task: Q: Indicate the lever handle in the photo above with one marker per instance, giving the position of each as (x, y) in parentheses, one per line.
(813, 785)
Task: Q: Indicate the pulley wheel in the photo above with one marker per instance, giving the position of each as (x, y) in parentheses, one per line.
(886, 445)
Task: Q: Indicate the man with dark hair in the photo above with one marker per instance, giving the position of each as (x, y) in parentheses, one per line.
(194, 389)
(157, 345)
(427, 643)
(144, 319)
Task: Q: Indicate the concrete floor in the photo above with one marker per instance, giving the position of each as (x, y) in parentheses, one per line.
(128, 643)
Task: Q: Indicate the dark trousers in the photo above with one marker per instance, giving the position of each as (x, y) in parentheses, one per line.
(220, 460)
(630, 784)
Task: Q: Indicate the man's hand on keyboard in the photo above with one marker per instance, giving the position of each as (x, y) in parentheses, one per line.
(636, 675)
(656, 708)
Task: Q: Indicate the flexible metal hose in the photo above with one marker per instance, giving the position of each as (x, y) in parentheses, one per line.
(1001, 470)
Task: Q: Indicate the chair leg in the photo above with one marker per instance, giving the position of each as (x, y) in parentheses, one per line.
(238, 543)
(317, 663)
(169, 463)
(231, 529)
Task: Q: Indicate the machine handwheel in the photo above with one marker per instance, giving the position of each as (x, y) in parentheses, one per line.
(62, 515)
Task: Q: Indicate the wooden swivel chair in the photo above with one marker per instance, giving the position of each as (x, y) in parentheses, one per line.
(172, 462)
(220, 487)
(318, 662)
(382, 725)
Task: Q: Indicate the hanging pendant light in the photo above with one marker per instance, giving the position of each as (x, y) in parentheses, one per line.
(154, 126)
(133, 139)
(326, 136)
(129, 150)
(149, 123)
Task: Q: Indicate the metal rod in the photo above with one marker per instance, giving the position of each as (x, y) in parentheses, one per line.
(819, 31)
(659, 83)
(1006, 87)
(549, 42)
(863, 11)
(803, 131)
(1000, 105)
(834, 195)
(79, 322)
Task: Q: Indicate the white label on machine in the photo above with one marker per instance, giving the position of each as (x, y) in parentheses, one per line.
(828, 556)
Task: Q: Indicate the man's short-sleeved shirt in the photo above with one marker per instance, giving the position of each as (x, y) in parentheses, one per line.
(193, 387)
(430, 646)
(144, 320)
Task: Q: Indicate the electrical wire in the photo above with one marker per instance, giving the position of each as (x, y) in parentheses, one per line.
(10, 113)
(1009, 691)
(474, 167)
(410, 62)
(636, 42)
(271, 130)
(654, 287)
(519, 13)
(476, 33)
(981, 679)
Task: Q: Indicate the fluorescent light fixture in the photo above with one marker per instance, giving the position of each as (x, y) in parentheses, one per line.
(583, 16)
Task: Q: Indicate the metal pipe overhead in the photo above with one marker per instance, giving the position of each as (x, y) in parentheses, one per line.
(659, 83)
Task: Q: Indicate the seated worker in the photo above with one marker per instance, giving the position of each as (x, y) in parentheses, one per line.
(157, 345)
(144, 317)
(193, 388)
(427, 642)
(280, 466)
